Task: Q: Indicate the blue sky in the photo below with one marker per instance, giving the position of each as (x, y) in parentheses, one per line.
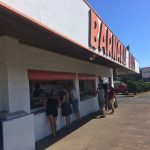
(130, 22)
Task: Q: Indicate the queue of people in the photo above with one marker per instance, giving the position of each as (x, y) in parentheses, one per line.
(67, 100)
(106, 98)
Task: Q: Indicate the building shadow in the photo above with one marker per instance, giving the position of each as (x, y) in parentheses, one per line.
(50, 140)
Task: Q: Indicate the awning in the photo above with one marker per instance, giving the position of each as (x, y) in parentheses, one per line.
(31, 32)
(39, 75)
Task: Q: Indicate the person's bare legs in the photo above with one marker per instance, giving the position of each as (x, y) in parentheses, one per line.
(78, 116)
(55, 125)
(113, 109)
(51, 120)
(102, 110)
(68, 120)
(112, 106)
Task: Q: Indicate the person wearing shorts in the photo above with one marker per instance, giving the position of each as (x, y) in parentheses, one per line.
(111, 98)
(52, 111)
(66, 106)
(74, 101)
(101, 100)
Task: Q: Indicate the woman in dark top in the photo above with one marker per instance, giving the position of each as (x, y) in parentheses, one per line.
(52, 111)
(66, 106)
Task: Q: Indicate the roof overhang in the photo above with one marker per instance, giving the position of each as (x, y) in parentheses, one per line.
(31, 32)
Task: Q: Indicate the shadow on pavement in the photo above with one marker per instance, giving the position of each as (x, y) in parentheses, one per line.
(50, 140)
(129, 95)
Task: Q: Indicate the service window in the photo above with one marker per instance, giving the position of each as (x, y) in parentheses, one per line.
(87, 89)
(40, 89)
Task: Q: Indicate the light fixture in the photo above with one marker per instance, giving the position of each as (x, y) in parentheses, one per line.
(93, 57)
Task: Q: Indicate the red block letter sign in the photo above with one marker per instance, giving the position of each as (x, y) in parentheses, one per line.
(109, 43)
(95, 27)
(114, 47)
(103, 38)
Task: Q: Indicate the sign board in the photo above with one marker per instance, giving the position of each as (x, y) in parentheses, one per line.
(107, 44)
(146, 72)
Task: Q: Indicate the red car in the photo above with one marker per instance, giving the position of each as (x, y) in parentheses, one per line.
(121, 88)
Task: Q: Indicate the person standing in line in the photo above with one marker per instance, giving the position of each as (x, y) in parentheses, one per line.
(105, 87)
(101, 100)
(74, 101)
(52, 105)
(111, 98)
(38, 92)
(66, 106)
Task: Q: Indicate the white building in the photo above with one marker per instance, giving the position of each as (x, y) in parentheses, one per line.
(52, 42)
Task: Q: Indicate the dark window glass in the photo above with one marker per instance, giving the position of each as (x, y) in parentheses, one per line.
(87, 89)
(40, 89)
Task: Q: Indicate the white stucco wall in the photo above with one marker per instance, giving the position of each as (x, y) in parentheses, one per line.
(19, 58)
(13, 76)
(43, 60)
(18, 134)
(3, 87)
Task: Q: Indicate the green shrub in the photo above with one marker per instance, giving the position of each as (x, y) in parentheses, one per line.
(137, 86)
(132, 87)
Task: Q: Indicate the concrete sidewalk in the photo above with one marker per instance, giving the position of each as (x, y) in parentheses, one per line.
(127, 129)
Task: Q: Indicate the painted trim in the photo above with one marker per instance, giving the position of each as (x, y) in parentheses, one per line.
(39, 75)
(86, 77)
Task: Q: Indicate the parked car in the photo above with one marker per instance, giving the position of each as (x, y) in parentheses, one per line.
(121, 88)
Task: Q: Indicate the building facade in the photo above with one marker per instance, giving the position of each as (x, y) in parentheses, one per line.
(145, 74)
(52, 43)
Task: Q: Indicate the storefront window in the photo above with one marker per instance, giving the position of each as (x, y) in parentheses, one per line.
(39, 91)
(87, 89)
